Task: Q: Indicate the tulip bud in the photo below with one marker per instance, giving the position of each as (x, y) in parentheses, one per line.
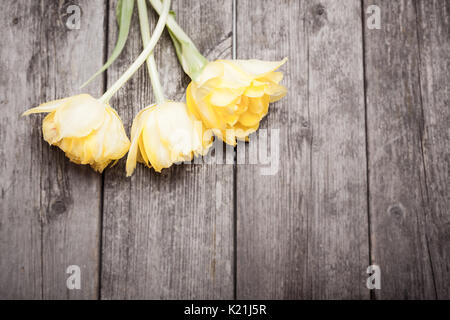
(164, 134)
(234, 95)
(87, 130)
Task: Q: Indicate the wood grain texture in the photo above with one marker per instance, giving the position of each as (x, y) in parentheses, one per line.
(303, 233)
(407, 158)
(433, 24)
(169, 235)
(50, 208)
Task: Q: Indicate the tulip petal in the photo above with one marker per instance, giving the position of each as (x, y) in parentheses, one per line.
(136, 134)
(116, 143)
(275, 77)
(95, 143)
(249, 119)
(276, 92)
(49, 130)
(175, 128)
(191, 104)
(47, 107)
(242, 132)
(234, 76)
(259, 68)
(100, 166)
(204, 110)
(132, 155)
(211, 70)
(79, 116)
(258, 105)
(255, 91)
(223, 97)
(157, 154)
(142, 151)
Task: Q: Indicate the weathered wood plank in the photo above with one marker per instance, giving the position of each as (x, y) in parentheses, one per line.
(434, 45)
(169, 235)
(302, 233)
(50, 208)
(399, 203)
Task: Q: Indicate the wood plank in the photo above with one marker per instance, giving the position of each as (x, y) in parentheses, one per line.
(50, 208)
(169, 235)
(398, 196)
(434, 45)
(303, 232)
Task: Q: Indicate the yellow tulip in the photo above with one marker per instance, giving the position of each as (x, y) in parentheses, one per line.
(229, 96)
(232, 96)
(164, 134)
(87, 130)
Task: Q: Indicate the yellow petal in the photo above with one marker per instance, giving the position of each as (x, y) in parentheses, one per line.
(144, 154)
(234, 76)
(275, 77)
(47, 107)
(243, 132)
(155, 150)
(100, 166)
(49, 130)
(115, 141)
(259, 68)
(255, 91)
(204, 110)
(137, 148)
(259, 105)
(249, 119)
(210, 71)
(79, 116)
(223, 97)
(95, 145)
(176, 129)
(191, 104)
(276, 92)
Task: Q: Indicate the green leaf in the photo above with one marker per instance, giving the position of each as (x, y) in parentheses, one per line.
(124, 11)
(119, 11)
(188, 55)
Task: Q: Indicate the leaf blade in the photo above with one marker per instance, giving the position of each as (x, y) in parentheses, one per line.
(124, 12)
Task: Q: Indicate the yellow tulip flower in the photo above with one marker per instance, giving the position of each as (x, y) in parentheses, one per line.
(232, 96)
(87, 130)
(164, 134)
(229, 96)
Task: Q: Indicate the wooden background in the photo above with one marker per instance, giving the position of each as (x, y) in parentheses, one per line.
(364, 173)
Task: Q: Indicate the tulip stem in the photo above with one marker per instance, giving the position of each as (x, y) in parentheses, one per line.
(189, 57)
(142, 57)
(151, 65)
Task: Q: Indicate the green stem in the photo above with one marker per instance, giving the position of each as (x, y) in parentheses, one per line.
(151, 65)
(171, 23)
(190, 58)
(142, 57)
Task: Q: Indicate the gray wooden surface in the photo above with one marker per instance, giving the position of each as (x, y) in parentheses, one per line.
(50, 208)
(407, 76)
(364, 163)
(303, 231)
(169, 235)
